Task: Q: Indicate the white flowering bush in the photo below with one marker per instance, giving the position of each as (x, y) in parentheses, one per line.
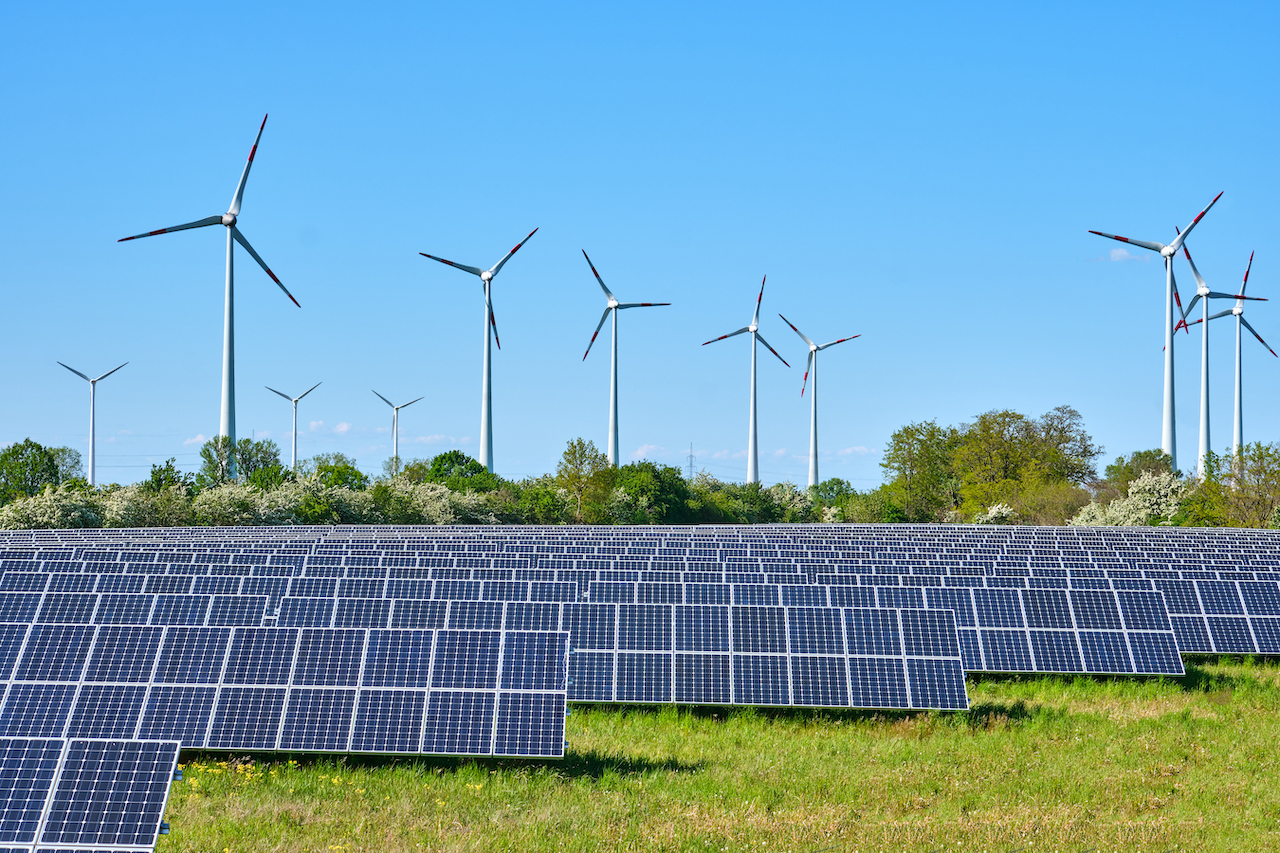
(54, 508)
(1000, 513)
(793, 504)
(1153, 499)
(832, 515)
(137, 506)
(228, 505)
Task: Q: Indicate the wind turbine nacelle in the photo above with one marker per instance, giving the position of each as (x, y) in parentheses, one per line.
(1168, 252)
(486, 276)
(752, 328)
(228, 219)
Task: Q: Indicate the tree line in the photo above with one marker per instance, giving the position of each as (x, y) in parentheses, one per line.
(1003, 467)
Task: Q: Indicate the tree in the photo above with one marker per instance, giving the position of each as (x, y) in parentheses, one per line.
(656, 494)
(919, 463)
(216, 456)
(25, 469)
(168, 476)
(584, 472)
(253, 456)
(70, 467)
(1126, 469)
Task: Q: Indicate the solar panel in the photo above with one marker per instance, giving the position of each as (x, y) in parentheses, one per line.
(84, 794)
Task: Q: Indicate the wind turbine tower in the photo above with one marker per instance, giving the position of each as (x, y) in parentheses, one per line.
(1203, 292)
(613, 307)
(227, 417)
(293, 458)
(753, 455)
(812, 367)
(486, 397)
(395, 427)
(93, 384)
(1168, 437)
(1237, 436)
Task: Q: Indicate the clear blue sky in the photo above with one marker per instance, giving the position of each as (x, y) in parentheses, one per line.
(922, 175)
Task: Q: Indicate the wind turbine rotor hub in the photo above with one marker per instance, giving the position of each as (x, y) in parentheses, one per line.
(228, 219)
(613, 303)
(1237, 310)
(752, 328)
(1168, 252)
(486, 276)
(813, 347)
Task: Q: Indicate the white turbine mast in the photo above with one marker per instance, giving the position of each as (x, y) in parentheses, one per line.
(293, 457)
(395, 427)
(753, 456)
(613, 306)
(486, 397)
(1202, 291)
(93, 384)
(227, 417)
(812, 367)
(1168, 437)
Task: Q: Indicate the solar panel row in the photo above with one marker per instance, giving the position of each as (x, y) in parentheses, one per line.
(448, 691)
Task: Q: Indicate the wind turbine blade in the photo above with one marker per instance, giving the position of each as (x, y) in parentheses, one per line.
(603, 317)
(1183, 236)
(755, 318)
(1194, 300)
(1245, 284)
(1155, 247)
(108, 373)
(494, 322)
(730, 335)
(800, 333)
(235, 232)
(643, 304)
(1226, 313)
(463, 267)
(234, 210)
(1215, 295)
(1173, 280)
(842, 340)
(498, 266)
(808, 365)
(1195, 272)
(282, 394)
(199, 223)
(603, 286)
(761, 339)
(309, 390)
(385, 400)
(1258, 336)
(77, 373)
(411, 402)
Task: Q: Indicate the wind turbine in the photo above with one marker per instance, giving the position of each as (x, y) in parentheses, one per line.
(227, 417)
(486, 397)
(1202, 291)
(812, 367)
(293, 458)
(614, 306)
(93, 385)
(753, 460)
(1168, 438)
(395, 426)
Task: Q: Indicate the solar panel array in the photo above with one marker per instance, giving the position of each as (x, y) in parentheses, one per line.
(1022, 599)
(83, 794)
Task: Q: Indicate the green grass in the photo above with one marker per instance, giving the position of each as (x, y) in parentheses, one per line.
(1038, 764)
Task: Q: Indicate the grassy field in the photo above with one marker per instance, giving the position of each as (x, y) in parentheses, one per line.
(1038, 764)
